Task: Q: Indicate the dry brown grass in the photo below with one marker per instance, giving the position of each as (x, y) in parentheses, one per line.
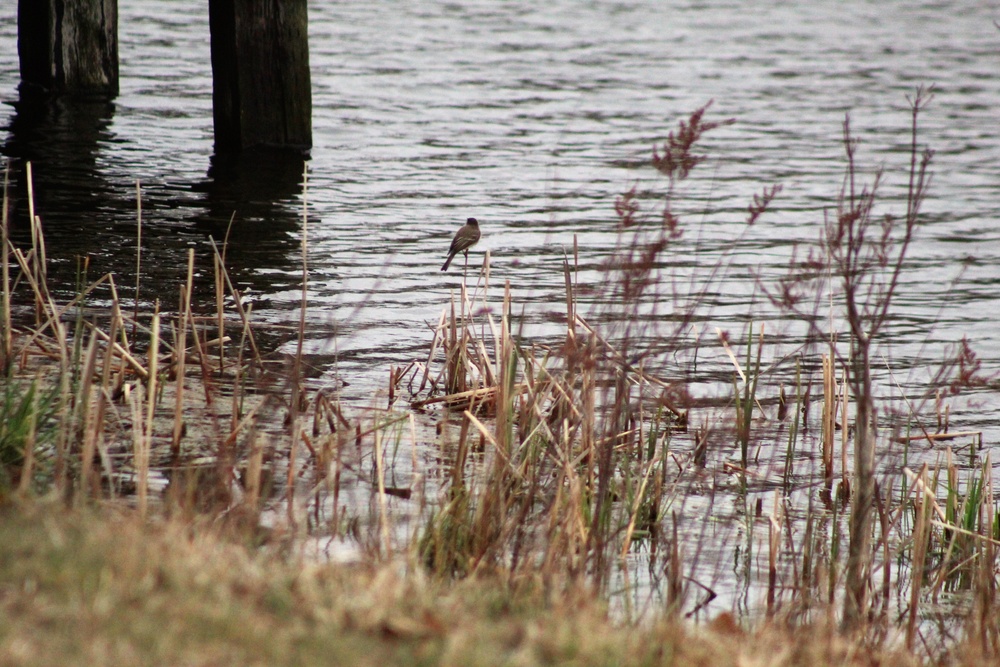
(105, 588)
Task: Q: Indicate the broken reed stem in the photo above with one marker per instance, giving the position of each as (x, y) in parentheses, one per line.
(588, 387)
(750, 391)
(119, 319)
(756, 369)
(844, 430)
(136, 402)
(103, 396)
(31, 204)
(202, 356)
(463, 343)
(138, 253)
(127, 358)
(570, 306)
(154, 360)
(774, 543)
(383, 510)
(482, 281)
(181, 354)
(675, 573)
(793, 431)
(238, 303)
(254, 468)
(921, 534)
(5, 317)
(85, 413)
(452, 362)
(829, 415)
(64, 433)
(507, 366)
(219, 300)
(42, 296)
(38, 268)
(437, 339)
(238, 388)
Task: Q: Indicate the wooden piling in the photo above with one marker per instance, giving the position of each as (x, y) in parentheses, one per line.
(262, 94)
(69, 46)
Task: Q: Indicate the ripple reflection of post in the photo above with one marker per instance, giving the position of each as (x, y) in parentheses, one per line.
(258, 193)
(63, 139)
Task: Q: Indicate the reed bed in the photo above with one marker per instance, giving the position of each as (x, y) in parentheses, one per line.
(552, 465)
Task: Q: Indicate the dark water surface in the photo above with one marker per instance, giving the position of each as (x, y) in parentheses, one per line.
(533, 117)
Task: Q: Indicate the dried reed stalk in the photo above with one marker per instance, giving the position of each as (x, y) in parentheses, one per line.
(181, 347)
(7, 343)
(829, 415)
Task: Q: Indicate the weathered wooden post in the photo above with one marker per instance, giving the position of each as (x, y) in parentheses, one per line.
(262, 94)
(69, 46)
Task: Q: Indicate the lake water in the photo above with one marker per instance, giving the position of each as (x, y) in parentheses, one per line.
(533, 117)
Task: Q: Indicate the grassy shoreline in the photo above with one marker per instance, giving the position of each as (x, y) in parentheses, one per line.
(105, 587)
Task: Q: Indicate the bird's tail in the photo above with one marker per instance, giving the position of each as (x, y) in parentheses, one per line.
(447, 262)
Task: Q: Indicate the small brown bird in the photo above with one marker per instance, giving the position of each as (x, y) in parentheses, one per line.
(465, 238)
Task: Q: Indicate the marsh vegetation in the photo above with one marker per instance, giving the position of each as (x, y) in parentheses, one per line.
(547, 495)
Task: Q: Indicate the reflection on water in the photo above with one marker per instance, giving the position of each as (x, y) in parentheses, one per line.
(533, 118)
(62, 138)
(246, 202)
(89, 210)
